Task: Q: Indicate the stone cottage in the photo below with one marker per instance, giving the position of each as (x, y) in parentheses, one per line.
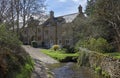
(54, 30)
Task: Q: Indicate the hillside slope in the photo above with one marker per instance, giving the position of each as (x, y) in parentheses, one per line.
(14, 62)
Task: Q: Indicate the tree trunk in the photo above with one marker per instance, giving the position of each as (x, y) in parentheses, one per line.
(56, 34)
(12, 13)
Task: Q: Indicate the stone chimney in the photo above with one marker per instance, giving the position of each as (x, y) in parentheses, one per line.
(80, 9)
(51, 14)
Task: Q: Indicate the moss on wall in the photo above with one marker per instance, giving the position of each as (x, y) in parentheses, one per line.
(101, 64)
(15, 62)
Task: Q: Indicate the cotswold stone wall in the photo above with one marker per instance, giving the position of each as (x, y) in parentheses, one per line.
(106, 64)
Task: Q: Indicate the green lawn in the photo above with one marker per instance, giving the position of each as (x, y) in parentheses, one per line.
(114, 54)
(60, 55)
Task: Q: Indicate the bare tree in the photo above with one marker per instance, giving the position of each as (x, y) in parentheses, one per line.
(31, 7)
(12, 10)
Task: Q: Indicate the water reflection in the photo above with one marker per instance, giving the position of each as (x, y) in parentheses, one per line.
(70, 70)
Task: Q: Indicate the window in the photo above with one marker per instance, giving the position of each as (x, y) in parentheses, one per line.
(46, 32)
(39, 38)
(60, 41)
(25, 32)
(39, 30)
(67, 41)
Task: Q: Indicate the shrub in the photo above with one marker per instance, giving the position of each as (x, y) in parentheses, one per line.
(98, 70)
(105, 74)
(55, 47)
(69, 49)
(99, 45)
(8, 38)
(83, 59)
(82, 43)
(102, 45)
(16, 62)
(34, 44)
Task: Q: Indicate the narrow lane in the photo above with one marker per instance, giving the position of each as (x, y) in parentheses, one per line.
(40, 61)
(36, 54)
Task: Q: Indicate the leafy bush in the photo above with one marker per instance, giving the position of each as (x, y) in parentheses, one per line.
(102, 45)
(82, 43)
(26, 70)
(98, 70)
(99, 45)
(16, 62)
(8, 37)
(83, 59)
(34, 44)
(105, 74)
(13, 58)
(69, 49)
(55, 47)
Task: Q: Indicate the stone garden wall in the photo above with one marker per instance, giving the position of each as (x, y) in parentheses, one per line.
(106, 65)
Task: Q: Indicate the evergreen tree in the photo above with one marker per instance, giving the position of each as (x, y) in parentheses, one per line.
(90, 7)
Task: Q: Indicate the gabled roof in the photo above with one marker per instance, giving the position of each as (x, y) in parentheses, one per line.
(61, 19)
(70, 17)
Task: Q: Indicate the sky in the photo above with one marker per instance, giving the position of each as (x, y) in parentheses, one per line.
(64, 7)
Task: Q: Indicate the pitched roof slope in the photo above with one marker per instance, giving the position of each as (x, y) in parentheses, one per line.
(70, 17)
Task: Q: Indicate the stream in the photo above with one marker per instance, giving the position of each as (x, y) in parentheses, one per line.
(71, 70)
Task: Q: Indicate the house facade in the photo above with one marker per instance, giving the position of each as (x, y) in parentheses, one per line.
(54, 30)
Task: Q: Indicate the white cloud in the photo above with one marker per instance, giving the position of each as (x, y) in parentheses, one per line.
(68, 0)
(63, 7)
(62, 0)
(76, 0)
(81, 2)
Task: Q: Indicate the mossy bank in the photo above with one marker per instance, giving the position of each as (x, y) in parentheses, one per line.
(15, 62)
(105, 65)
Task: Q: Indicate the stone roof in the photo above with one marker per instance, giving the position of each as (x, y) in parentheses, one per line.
(61, 19)
(46, 19)
(70, 17)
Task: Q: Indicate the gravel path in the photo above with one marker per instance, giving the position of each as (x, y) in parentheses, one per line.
(40, 60)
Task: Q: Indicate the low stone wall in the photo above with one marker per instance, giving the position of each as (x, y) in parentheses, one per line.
(107, 64)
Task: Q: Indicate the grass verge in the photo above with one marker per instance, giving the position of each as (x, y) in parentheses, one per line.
(114, 54)
(61, 55)
(26, 70)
